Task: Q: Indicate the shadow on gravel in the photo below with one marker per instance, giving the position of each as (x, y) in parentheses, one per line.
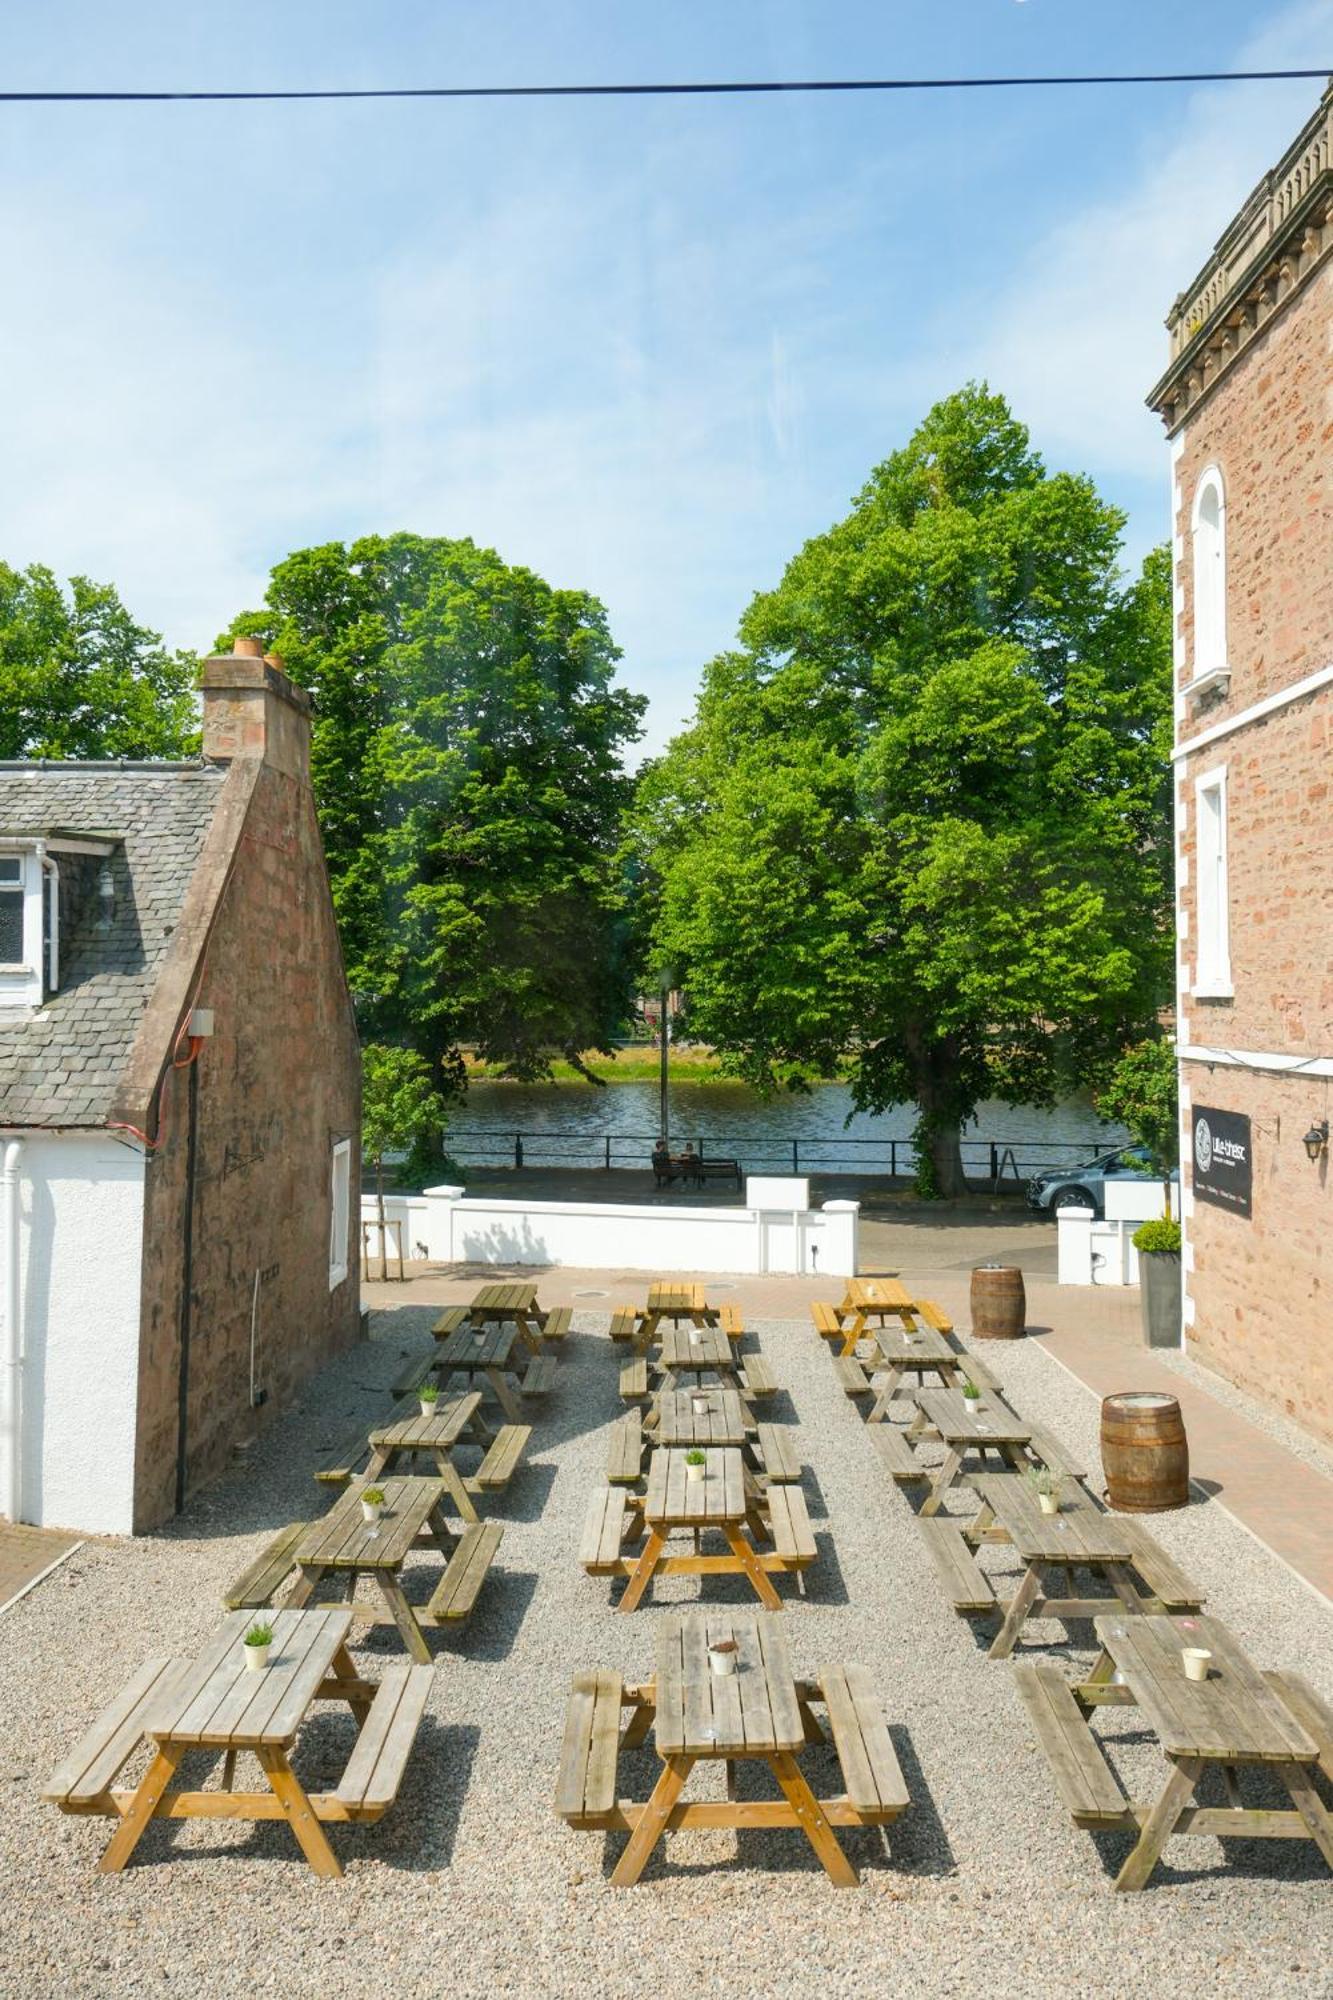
(919, 1840)
(815, 1504)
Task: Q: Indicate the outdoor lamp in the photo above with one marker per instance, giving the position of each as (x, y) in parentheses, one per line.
(1316, 1140)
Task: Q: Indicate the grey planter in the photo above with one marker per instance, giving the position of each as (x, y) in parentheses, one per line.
(1159, 1297)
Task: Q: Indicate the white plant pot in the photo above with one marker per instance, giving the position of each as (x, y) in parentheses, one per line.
(1049, 1503)
(371, 1510)
(1196, 1661)
(256, 1658)
(700, 1406)
(428, 1408)
(695, 1472)
(721, 1663)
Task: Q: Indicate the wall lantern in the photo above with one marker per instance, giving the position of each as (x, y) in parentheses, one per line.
(1316, 1140)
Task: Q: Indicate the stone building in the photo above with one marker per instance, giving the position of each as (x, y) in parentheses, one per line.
(1248, 403)
(179, 1110)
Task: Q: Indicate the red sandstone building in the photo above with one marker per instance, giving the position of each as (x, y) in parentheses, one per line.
(1248, 404)
(179, 1110)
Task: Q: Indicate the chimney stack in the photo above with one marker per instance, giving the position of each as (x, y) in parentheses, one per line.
(251, 709)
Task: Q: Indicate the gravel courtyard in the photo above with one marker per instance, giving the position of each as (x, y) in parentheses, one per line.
(471, 1885)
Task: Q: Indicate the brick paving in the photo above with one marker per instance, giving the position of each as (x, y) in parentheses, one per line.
(25, 1552)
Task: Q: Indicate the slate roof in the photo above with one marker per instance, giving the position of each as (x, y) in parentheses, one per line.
(61, 1065)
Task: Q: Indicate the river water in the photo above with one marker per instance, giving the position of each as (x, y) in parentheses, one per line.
(569, 1124)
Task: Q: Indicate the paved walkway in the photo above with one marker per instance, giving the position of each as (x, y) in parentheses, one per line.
(24, 1553)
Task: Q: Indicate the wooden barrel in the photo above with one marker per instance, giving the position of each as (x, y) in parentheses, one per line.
(999, 1302)
(1145, 1454)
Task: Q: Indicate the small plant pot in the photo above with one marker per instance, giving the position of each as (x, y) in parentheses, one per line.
(694, 1473)
(700, 1405)
(1196, 1661)
(428, 1407)
(1049, 1503)
(256, 1657)
(371, 1510)
(695, 1336)
(722, 1657)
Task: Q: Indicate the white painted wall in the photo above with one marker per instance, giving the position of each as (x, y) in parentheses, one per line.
(609, 1236)
(80, 1243)
(1101, 1252)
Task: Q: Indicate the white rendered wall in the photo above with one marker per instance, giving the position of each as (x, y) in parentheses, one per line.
(608, 1236)
(1102, 1253)
(81, 1240)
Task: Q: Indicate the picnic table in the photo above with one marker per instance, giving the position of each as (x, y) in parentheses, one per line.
(1237, 1719)
(214, 1702)
(906, 1348)
(343, 1544)
(867, 1299)
(761, 1713)
(726, 1420)
(516, 1303)
(698, 1348)
(455, 1421)
(966, 1426)
(486, 1354)
(722, 1501)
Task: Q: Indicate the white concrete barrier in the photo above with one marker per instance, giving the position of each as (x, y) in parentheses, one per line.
(450, 1228)
(1092, 1252)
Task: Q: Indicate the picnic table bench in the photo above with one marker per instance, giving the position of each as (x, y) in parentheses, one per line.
(716, 1415)
(214, 1702)
(762, 1712)
(1238, 1719)
(437, 1435)
(907, 1349)
(867, 1299)
(986, 1425)
(512, 1303)
(487, 1356)
(722, 1501)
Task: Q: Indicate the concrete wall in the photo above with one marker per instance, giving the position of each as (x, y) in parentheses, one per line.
(608, 1236)
(81, 1230)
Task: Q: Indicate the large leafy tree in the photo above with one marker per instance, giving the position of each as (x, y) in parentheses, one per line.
(467, 755)
(79, 677)
(919, 825)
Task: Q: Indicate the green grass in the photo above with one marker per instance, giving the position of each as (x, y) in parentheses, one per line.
(629, 1066)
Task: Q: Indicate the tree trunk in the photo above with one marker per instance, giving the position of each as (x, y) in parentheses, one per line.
(934, 1064)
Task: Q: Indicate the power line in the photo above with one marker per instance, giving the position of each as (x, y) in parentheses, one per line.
(737, 89)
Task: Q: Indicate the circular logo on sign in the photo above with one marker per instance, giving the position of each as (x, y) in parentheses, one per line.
(1203, 1145)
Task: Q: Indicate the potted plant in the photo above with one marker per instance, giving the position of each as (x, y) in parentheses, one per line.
(699, 1402)
(722, 1656)
(428, 1395)
(1046, 1487)
(695, 1464)
(971, 1393)
(1158, 1245)
(372, 1502)
(258, 1639)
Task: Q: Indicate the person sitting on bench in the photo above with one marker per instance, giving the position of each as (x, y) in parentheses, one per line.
(687, 1166)
(664, 1167)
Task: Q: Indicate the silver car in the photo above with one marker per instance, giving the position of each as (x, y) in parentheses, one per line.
(1084, 1187)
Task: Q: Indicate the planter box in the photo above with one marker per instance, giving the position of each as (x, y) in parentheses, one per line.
(1159, 1297)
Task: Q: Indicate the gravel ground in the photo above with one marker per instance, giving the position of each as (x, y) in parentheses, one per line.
(472, 1885)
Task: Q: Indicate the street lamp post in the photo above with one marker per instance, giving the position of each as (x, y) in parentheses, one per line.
(667, 981)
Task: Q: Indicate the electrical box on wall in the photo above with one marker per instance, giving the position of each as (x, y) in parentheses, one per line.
(200, 1024)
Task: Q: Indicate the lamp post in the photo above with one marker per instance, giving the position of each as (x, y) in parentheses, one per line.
(666, 982)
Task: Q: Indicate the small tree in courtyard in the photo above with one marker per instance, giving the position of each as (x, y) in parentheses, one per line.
(1141, 1093)
(400, 1107)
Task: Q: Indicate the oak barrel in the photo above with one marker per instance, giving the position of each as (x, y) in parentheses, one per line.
(1145, 1454)
(999, 1302)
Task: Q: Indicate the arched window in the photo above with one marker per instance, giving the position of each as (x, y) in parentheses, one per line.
(1210, 575)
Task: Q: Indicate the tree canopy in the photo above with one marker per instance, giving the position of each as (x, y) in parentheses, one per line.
(79, 677)
(919, 825)
(467, 751)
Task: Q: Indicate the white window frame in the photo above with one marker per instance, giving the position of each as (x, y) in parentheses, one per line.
(1209, 573)
(1212, 943)
(340, 1212)
(21, 981)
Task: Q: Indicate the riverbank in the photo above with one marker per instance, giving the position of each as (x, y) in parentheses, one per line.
(642, 1064)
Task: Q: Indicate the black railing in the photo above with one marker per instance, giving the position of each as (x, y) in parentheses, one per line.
(994, 1160)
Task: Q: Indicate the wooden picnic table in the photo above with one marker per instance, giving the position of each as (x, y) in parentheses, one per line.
(1237, 1719)
(214, 1702)
(1079, 1536)
(516, 1303)
(761, 1713)
(670, 1300)
(344, 1544)
(453, 1421)
(697, 1348)
(908, 1348)
(486, 1353)
(673, 1420)
(964, 1426)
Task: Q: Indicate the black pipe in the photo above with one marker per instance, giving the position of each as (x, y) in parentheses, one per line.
(187, 1279)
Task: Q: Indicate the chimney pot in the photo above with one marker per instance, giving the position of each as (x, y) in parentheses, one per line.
(247, 649)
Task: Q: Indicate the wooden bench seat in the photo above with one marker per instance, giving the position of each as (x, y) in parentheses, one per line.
(827, 1323)
(732, 1322)
(1163, 1576)
(624, 1461)
(775, 1448)
(414, 1372)
(375, 1768)
(895, 1454)
(604, 1529)
(871, 1773)
(1085, 1781)
(89, 1771)
(449, 1321)
(934, 1316)
(852, 1377)
(965, 1587)
(259, 1583)
(1310, 1710)
(558, 1323)
(759, 1378)
(624, 1323)
(339, 1466)
(585, 1792)
(634, 1381)
(456, 1592)
(789, 1525)
(1048, 1448)
(539, 1376)
(501, 1460)
(978, 1373)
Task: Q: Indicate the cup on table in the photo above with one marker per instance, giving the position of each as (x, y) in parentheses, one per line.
(1196, 1661)
(722, 1656)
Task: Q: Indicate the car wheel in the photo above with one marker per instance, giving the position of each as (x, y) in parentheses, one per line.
(1074, 1197)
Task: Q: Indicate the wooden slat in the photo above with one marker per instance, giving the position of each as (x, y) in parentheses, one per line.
(1312, 1713)
(375, 1769)
(603, 1530)
(449, 1321)
(935, 1317)
(413, 1373)
(1162, 1574)
(775, 1447)
(827, 1320)
(634, 1381)
(758, 1377)
(1085, 1781)
(852, 1377)
(625, 1457)
(338, 1467)
(502, 1459)
(1233, 1716)
(788, 1722)
(92, 1764)
(465, 1572)
(624, 1323)
(275, 1562)
(895, 1453)
(789, 1521)
(271, 1712)
(558, 1323)
(570, 1784)
(539, 1377)
(965, 1586)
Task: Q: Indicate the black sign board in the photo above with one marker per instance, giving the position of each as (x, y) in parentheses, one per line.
(1223, 1163)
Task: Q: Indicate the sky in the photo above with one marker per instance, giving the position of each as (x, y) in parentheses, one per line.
(646, 347)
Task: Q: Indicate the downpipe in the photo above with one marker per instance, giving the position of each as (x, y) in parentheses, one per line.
(13, 1352)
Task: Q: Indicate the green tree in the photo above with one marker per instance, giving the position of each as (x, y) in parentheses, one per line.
(400, 1108)
(1142, 1094)
(467, 761)
(79, 678)
(918, 827)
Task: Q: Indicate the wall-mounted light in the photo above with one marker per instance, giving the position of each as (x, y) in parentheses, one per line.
(1316, 1140)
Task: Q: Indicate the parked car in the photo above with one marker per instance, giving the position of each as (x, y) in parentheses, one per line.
(1084, 1186)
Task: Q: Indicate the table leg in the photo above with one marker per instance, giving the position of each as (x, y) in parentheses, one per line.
(751, 1566)
(941, 1483)
(652, 1821)
(303, 1589)
(229, 1771)
(505, 1396)
(454, 1486)
(1120, 1576)
(811, 1819)
(404, 1618)
(141, 1808)
(1016, 1611)
(642, 1574)
(1310, 1807)
(344, 1669)
(879, 1409)
(1160, 1823)
(853, 1333)
(298, 1811)
(379, 1459)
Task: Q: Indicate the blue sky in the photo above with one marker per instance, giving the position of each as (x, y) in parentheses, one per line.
(645, 347)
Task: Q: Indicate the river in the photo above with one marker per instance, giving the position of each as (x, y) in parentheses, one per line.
(569, 1124)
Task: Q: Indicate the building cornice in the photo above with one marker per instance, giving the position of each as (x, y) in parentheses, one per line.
(1281, 237)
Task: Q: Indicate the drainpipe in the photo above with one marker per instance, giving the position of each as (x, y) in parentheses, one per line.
(51, 870)
(9, 1229)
